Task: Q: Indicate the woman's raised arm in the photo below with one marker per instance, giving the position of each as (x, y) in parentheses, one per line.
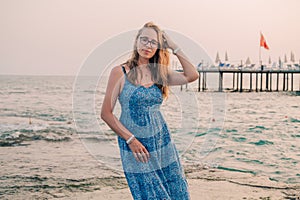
(189, 73)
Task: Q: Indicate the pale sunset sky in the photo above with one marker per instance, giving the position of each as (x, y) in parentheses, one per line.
(54, 37)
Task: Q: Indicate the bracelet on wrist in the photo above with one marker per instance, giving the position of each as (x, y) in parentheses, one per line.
(176, 50)
(130, 139)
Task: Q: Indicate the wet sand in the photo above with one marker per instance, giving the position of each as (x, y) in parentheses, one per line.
(65, 170)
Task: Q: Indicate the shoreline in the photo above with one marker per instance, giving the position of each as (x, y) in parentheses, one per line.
(65, 170)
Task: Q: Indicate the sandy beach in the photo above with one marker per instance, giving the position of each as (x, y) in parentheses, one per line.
(65, 170)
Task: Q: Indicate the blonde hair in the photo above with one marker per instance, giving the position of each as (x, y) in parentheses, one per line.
(159, 63)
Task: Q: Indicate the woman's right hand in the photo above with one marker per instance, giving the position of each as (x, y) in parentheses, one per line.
(139, 151)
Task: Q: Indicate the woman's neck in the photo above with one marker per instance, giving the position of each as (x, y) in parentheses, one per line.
(143, 61)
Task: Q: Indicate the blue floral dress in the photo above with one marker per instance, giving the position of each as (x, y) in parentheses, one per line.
(162, 176)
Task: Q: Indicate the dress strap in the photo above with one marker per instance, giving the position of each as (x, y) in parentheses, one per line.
(124, 70)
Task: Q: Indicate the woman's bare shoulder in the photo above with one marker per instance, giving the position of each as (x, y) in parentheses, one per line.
(117, 71)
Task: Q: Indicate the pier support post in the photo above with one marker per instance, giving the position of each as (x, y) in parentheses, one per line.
(199, 82)
(233, 80)
(241, 82)
(271, 82)
(267, 81)
(283, 87)
(250, 82)
(277, 80)
(292, 81)
(237, 81)
(220, 81)
(256, 84)
(261, 81)
(287, 81)
(204, 81)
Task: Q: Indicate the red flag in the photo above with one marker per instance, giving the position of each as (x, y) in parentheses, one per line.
(263, 42)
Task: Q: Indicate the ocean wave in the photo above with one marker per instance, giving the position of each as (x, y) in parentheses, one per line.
(239, 139)
(53, 187)
(14, 135)
(246, 160)
(65, 117)
(237, 170)
(295, 120)
(257, 129)
(231, 130)
(262, 142)
(296, 136)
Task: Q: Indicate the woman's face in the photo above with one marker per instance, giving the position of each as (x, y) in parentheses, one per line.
(147, 43)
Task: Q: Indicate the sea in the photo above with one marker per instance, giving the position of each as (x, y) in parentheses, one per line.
(246, 132)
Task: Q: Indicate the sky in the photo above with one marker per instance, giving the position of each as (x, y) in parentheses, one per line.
(55, 37)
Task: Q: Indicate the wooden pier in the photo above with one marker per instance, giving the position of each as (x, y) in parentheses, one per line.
(286, 77)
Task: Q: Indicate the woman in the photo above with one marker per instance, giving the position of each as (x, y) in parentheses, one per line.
(149, 158)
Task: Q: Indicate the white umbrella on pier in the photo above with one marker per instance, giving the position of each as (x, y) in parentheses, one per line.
(292, 57)
(248, 62)
(226, 57)
(279, 62)
(217, 58)
(285, 58)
